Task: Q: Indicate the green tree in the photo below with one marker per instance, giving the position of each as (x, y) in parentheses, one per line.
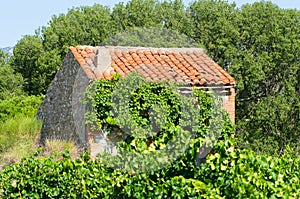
(26, 54)
(86, 26)
(136, 13)
(10, 82)
(266, 67)
(79, 26)
(259, 45)
(213, 24)
(150, 13)
(47, 64)
(151, 37)
(172, 15)
(38, 57)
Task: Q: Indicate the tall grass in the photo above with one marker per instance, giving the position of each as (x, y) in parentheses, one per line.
(17, 138)
(19, 131)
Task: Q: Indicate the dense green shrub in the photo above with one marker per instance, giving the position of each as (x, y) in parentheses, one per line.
(19, 105)
(230, 173)
(243, 174)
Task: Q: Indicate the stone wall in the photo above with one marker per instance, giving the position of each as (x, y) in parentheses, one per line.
(61, 111)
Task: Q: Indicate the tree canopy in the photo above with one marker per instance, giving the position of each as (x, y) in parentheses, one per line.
(151, 37)
(10, 82)
(258, 44)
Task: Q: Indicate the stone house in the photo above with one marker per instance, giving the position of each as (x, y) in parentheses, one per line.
(62, 112)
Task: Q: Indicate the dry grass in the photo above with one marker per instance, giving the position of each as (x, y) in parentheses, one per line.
(53, 146)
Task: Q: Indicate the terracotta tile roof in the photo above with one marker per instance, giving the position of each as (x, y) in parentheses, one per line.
(189, 65)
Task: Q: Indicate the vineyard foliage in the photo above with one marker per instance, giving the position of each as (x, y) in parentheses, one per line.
(228, 173)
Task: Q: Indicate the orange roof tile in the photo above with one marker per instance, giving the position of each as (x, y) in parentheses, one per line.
(190, 65)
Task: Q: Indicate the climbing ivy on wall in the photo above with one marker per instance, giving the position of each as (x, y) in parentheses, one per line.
(105, 98)
(155, 118)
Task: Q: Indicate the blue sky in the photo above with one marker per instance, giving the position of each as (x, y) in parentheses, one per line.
(19, 18)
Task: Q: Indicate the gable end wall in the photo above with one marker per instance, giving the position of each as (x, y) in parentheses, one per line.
(61, 111)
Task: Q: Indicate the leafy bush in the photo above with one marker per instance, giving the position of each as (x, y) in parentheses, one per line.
(18, 127)
(19, 105)
(244, 174)
(230, 173)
